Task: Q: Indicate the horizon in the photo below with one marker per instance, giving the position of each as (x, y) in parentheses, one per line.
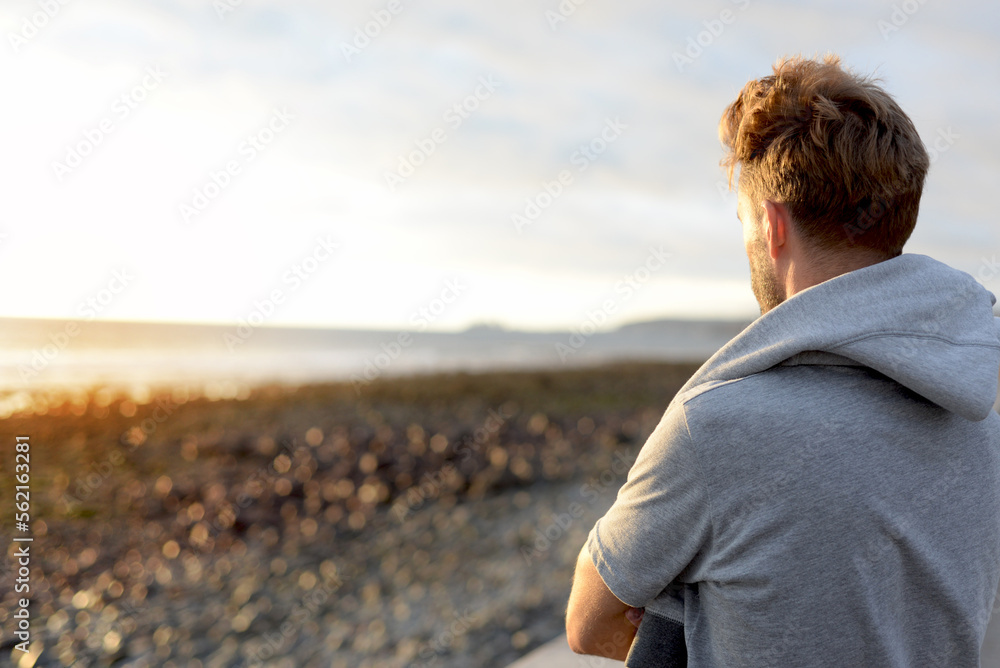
(45, 353)
(320, 327)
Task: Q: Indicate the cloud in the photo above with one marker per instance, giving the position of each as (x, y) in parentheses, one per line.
(356, 118)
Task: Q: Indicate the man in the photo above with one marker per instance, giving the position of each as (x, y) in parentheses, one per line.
(825, 490)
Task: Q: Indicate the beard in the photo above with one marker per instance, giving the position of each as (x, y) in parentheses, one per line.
(766, 288)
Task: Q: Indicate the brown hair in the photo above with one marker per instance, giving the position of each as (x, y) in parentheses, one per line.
(833, 147)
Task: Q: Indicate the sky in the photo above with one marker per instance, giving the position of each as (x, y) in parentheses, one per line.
(381, 164)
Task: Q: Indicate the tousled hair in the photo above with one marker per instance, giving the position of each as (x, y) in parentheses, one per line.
(832, 146)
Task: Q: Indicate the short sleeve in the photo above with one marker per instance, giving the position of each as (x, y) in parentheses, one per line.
(661, 519)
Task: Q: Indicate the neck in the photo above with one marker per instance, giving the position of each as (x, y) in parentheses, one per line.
(820, 267)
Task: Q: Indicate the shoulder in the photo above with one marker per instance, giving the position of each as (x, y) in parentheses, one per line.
(781, 384)
(785, 395)
(728, 398)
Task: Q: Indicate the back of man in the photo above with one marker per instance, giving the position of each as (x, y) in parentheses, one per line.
(825, 491)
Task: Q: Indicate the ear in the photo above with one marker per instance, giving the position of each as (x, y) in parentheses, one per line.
(777, 224)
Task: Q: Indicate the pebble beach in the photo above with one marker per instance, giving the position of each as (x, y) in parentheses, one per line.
(423, 521)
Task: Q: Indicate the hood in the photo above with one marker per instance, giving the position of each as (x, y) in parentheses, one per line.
(918, 321)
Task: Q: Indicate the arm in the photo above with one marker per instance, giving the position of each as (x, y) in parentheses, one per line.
(596, 621)
(657, 527)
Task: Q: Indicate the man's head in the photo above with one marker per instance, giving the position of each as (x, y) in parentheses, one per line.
(829, 163)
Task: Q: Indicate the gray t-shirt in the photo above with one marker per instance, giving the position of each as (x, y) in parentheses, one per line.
(825, 491)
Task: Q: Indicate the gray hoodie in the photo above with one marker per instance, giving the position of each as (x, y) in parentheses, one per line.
(825, 490)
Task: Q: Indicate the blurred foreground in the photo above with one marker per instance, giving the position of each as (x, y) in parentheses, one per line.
(429, 521)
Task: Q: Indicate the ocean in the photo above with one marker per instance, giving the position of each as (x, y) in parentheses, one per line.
(63, 353)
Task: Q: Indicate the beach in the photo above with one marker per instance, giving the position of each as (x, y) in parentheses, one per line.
(429, 520)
